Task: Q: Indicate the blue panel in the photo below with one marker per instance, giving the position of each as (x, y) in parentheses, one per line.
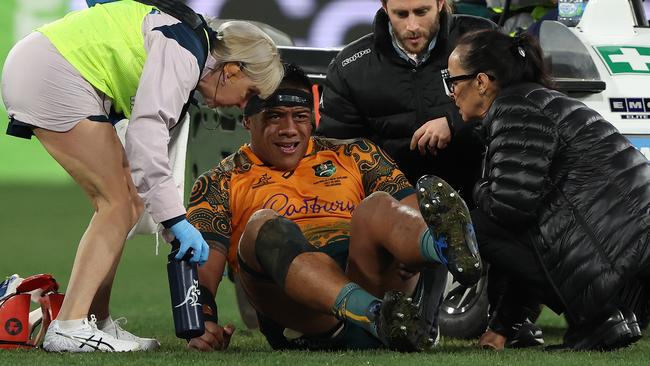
(641, 143)
(187, 39)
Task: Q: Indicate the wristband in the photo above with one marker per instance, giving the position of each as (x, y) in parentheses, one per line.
(209, 306)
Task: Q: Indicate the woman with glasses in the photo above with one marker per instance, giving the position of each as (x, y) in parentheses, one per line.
(563, 208)
(65, 82)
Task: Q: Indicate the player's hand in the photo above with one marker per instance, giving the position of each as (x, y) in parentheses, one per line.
(190, 238)
(432, 136)
(215, 338)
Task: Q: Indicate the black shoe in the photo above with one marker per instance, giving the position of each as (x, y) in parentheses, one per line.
(611, 334)
(428, 296)
(450, 224)
(525, 334)
(399, 325)
(633, 323)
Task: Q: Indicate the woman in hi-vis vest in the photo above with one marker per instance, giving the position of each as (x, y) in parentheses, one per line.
(66, 82)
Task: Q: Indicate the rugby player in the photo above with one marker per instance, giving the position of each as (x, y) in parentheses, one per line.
(325, 235)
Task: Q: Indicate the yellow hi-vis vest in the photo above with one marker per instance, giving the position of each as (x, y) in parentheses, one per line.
(105, 44)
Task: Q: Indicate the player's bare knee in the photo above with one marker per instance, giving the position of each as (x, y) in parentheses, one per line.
(259, 217)
(376, 205)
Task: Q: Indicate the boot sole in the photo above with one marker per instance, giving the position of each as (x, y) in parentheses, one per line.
(447, 215)
(400, 326)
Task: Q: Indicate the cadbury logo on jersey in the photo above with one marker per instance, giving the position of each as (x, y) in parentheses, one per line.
(281, 204)
(323, 170)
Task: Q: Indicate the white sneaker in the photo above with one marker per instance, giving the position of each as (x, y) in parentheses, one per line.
(86, 338)
(115, 329)
(8, 286)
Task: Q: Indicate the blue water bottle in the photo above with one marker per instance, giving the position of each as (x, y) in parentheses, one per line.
(184, 290)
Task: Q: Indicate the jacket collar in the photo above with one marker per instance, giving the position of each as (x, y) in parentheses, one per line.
(521, 89)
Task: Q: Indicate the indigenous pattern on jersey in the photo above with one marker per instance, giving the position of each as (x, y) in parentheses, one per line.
(320, 195)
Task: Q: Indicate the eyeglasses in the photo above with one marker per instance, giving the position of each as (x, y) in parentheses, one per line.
(450, 81)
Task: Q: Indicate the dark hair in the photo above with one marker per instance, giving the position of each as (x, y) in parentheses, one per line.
(447, 7)
(511, 60)
(295, 77)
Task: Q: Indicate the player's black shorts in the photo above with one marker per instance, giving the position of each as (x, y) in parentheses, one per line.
(350, 337)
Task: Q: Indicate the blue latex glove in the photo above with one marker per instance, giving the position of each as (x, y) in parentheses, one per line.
(189, 237)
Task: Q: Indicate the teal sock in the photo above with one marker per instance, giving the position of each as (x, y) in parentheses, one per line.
(358, 306)
(430, 247)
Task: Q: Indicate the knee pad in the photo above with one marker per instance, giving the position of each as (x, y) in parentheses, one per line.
(279, 241)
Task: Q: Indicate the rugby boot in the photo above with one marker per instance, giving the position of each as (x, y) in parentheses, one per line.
(400, 326)
(428, 296)
(449, 221)
(633, 323)
(525, 334)
(610, 334)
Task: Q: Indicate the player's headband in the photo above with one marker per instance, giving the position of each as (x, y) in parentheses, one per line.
(281, 97)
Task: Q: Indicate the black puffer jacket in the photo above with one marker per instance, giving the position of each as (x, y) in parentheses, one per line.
(563, 177)
(372, 92)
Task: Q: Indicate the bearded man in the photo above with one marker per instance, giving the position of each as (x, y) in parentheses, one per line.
(387, 87)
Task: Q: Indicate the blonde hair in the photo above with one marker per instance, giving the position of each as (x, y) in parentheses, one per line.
(244, 43)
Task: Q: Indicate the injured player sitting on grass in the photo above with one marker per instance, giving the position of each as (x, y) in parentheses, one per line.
(331, 244)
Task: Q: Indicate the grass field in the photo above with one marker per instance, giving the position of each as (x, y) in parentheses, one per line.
(41, 224)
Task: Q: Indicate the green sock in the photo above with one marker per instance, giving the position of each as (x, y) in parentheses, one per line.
(358, 306)
(430, 248)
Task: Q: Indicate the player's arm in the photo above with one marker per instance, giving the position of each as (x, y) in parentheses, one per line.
(379, 172)
(209, 204)
(215, 337)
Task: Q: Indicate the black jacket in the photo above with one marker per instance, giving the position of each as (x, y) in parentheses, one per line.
(567, 180)
(371, 92)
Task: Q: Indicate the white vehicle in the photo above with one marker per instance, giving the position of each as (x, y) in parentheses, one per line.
(605, 62)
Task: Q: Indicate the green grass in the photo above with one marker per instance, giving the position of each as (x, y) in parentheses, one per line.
(40, 227)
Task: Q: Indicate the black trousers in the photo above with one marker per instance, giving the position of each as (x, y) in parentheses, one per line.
(517, 283)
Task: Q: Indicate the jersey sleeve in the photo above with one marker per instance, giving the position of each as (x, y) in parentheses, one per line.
(209, 209)
(379, 172)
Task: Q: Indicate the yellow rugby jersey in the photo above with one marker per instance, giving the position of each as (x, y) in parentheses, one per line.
(320, 195)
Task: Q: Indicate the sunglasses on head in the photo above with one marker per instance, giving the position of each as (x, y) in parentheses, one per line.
(450, 81)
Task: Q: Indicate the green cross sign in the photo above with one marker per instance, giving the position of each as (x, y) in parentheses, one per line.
(625, 59)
